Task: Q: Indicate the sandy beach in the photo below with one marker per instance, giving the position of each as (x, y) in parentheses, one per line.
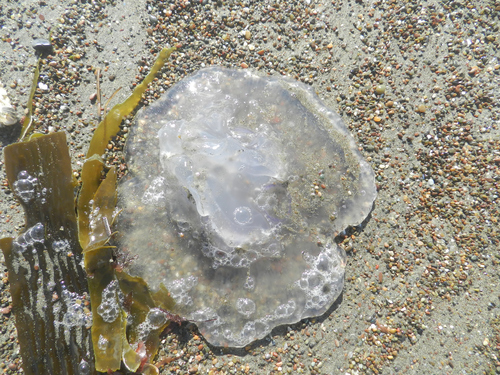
(418, 86)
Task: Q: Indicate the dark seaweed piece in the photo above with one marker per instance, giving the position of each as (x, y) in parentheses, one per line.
(108, 337)
(110, 126)
(103, 212)
(108, 334)
(46, 264)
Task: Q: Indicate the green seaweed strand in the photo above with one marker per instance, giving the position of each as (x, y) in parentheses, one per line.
(28, 120)
(108, 128)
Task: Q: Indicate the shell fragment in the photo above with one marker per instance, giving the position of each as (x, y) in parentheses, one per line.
(8, 115)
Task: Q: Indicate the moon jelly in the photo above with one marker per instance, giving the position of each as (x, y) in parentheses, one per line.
(238, 186)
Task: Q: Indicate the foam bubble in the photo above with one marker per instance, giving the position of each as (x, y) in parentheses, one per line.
(24, 186)
(155, 192)
(33, 235)
(109, 308)
(76, 314)
(156, 318)
(102, 343)
(61, 246)
(245, 306)
(243, 215)
(180, 288)
(84, 368)
(285, 310)
(249, 283)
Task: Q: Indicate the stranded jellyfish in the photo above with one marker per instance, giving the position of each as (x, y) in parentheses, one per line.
(238, 186)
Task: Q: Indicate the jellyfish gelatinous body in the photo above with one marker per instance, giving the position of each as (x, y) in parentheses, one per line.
(238, 185)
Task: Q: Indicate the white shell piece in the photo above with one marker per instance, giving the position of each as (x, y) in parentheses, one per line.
(8, 115)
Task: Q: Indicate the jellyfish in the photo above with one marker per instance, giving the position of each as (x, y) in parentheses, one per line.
(238, 186)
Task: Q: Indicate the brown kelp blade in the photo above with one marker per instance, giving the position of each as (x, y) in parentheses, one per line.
(91, 174)
(48, 285)
(110, 126)
(107, 334)
(103, 212)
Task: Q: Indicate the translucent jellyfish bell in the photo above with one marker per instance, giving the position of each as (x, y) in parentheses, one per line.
(238, 185)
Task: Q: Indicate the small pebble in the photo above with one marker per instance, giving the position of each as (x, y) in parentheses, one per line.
(6, 310)
(12, 366)
(380, 90)
(421, 108)
(42, 45)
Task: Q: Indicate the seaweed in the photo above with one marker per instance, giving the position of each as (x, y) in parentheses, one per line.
(38, 269)
(107, 129)
(28, 120)
(93, 231)
(140, 302)
(48, 283)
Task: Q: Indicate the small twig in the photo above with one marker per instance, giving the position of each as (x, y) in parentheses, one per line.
(98, 77)
(106, 226)
(111, 97)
